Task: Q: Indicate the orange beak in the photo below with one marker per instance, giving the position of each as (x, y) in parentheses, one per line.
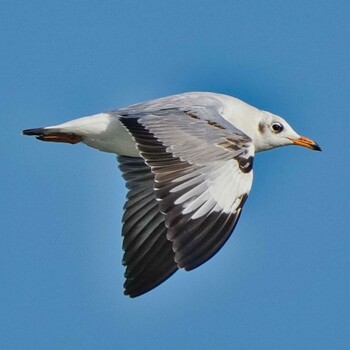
(305, 142)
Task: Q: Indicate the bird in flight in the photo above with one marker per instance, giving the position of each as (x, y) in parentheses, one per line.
(187, 161)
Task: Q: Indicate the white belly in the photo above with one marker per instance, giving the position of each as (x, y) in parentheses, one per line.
(103, 132)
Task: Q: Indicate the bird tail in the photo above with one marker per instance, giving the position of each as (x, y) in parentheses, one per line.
(52, 135)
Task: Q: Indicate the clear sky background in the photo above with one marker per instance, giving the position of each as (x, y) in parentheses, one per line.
(280, 282)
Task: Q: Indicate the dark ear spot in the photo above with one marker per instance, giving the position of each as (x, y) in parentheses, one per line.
(262, 127)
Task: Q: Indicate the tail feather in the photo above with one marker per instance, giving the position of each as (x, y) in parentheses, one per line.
(53, 135)
(33, 132)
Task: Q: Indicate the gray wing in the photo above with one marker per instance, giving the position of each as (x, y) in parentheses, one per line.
(148, 254)
(202, 176)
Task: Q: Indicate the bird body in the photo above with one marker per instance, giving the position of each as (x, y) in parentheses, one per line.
(187, 161)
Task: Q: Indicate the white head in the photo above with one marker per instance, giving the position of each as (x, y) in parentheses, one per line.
(273, 131)
(266, 129)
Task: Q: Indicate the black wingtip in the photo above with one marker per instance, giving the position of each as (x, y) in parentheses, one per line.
(33, 132)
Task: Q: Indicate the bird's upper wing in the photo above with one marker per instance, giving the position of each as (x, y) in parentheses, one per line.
(202, 168)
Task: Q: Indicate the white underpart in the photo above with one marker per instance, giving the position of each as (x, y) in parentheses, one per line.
(191, 193)
(230, 184)
(220, 189)
(194, 205)
(102, 131)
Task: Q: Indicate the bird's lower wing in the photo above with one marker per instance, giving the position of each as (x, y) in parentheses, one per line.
(202, 177)
(148, 254)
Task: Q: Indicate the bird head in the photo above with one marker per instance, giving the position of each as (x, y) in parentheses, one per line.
(273, 131)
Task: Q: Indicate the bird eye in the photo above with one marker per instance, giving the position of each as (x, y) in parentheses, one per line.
(277, 127)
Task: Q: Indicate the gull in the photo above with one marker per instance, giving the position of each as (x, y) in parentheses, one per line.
(187, 160)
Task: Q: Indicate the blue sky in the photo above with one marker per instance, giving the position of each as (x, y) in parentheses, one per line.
(280, 282)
